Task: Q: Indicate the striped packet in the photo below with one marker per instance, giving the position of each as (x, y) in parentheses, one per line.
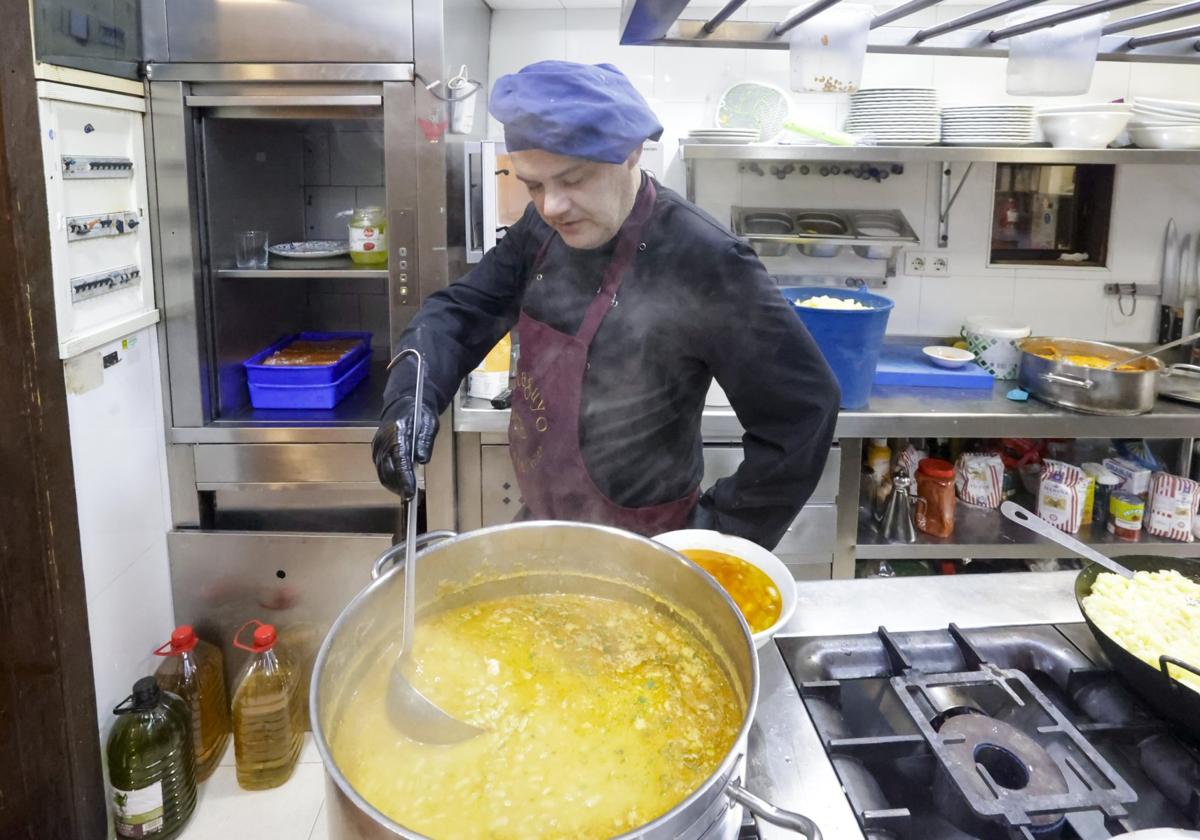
(1171, 507)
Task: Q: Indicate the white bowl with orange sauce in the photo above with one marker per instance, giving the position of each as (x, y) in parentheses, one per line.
(741, 587)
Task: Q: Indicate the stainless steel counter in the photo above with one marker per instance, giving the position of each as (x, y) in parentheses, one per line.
(928, 412)
(787, 763)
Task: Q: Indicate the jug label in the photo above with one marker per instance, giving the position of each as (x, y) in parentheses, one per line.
(138, 813)
(368, 239)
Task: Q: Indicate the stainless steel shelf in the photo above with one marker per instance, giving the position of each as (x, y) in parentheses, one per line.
(985, 534)
(927, 412)
(932, 154)
(361, 408)
(293, 269)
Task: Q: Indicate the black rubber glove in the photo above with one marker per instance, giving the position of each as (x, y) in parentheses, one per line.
(391, 448)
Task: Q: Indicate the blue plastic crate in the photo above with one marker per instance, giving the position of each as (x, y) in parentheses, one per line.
(310, 396)
(260, 374)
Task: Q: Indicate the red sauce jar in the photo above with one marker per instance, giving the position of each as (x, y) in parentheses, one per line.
(935, 497)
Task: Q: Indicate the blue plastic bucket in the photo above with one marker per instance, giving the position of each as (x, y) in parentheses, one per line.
(850, 339)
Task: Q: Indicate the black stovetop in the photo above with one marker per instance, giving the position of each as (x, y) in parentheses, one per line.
(997, 733)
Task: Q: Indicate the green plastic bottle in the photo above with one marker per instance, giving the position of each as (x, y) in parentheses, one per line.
(195, 670)
(151, 763)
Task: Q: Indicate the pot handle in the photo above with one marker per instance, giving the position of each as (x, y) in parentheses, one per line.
(764, 810)
(384, 560)
(1182, 370)
(1059, 379)
(1164, 661)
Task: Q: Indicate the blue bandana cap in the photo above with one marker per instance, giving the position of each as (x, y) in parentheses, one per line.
(589, 111)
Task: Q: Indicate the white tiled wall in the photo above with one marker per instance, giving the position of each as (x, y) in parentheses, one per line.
(682, 84)
(343, 169)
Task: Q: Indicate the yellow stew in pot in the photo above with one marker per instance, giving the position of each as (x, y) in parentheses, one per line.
(601, 715)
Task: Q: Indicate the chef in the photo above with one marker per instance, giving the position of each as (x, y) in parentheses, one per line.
(627, 302)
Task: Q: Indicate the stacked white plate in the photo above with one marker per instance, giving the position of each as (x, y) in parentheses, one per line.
(989, 125)
(1165, 124)
(895, 116)
(722, 135)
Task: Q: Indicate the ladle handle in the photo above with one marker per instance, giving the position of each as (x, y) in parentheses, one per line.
(773, 814)
(1043, 528)
(410, 538)
(1158, 349)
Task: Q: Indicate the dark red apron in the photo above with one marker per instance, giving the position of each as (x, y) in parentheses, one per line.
(543, 432)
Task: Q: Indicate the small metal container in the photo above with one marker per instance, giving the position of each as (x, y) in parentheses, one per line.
(1085, 389)
(820, 225)
(877, 225)
(769, 224)
(897, 526)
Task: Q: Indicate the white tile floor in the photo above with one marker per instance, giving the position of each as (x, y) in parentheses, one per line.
(292, 811)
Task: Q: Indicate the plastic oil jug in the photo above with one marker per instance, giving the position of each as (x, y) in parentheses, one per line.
(195, 670)
(151, 764)
(268, 711)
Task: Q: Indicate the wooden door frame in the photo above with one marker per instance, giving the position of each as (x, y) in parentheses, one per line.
(51, 778)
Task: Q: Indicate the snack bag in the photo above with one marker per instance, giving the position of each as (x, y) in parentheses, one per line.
(1171, 508)
(979, 479)
(1061, 495)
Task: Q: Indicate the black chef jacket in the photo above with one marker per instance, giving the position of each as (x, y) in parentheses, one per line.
(697, 304)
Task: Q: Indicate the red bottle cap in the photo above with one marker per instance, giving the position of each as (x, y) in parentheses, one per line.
(183, 639)
(264, 637)
(936, 468)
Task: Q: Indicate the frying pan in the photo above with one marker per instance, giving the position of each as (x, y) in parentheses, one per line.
(1162, 692)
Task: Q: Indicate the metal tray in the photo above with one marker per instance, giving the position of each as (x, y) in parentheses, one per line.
(856, 224)
(1182, 383)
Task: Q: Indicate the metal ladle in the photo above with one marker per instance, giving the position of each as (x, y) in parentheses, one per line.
(409, 710)
(1153, 352)
(1043, 528)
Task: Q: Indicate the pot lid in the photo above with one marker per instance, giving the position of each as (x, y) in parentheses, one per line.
(993, 327)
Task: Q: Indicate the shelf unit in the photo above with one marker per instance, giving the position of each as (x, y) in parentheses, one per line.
(944, 156)
(986, 534)
(297, 269)
(657, 22)
(690, 152)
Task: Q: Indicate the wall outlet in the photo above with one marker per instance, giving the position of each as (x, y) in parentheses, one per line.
(926, 265)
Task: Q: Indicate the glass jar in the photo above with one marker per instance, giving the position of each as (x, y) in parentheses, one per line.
(935, 497)
(368, 236)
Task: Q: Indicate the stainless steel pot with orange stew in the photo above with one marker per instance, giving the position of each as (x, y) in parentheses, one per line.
(1071, 373)
(615, 682)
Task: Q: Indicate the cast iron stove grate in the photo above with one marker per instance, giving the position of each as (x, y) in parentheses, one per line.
(1011, 733)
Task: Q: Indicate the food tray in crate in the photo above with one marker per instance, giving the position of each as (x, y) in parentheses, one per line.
(308, 386)
(327, 374)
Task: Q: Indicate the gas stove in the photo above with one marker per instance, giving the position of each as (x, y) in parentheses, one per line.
(1007, 733)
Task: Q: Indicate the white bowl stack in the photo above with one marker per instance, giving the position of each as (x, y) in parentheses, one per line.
(1165, 124)
(1083, 126)
(895, 116)
(989, 125)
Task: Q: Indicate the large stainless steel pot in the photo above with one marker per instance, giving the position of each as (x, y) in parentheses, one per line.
(544, 557)
(1089, 390)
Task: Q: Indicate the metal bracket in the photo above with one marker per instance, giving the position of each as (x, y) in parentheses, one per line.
(1132, 289)
(946, 200)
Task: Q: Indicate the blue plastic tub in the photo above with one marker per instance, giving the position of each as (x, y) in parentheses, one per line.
(259, 373)
(307, 386)
(310, 396)
(850, 339)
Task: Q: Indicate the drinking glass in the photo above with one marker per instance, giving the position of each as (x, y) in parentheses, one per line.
(252, 249)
